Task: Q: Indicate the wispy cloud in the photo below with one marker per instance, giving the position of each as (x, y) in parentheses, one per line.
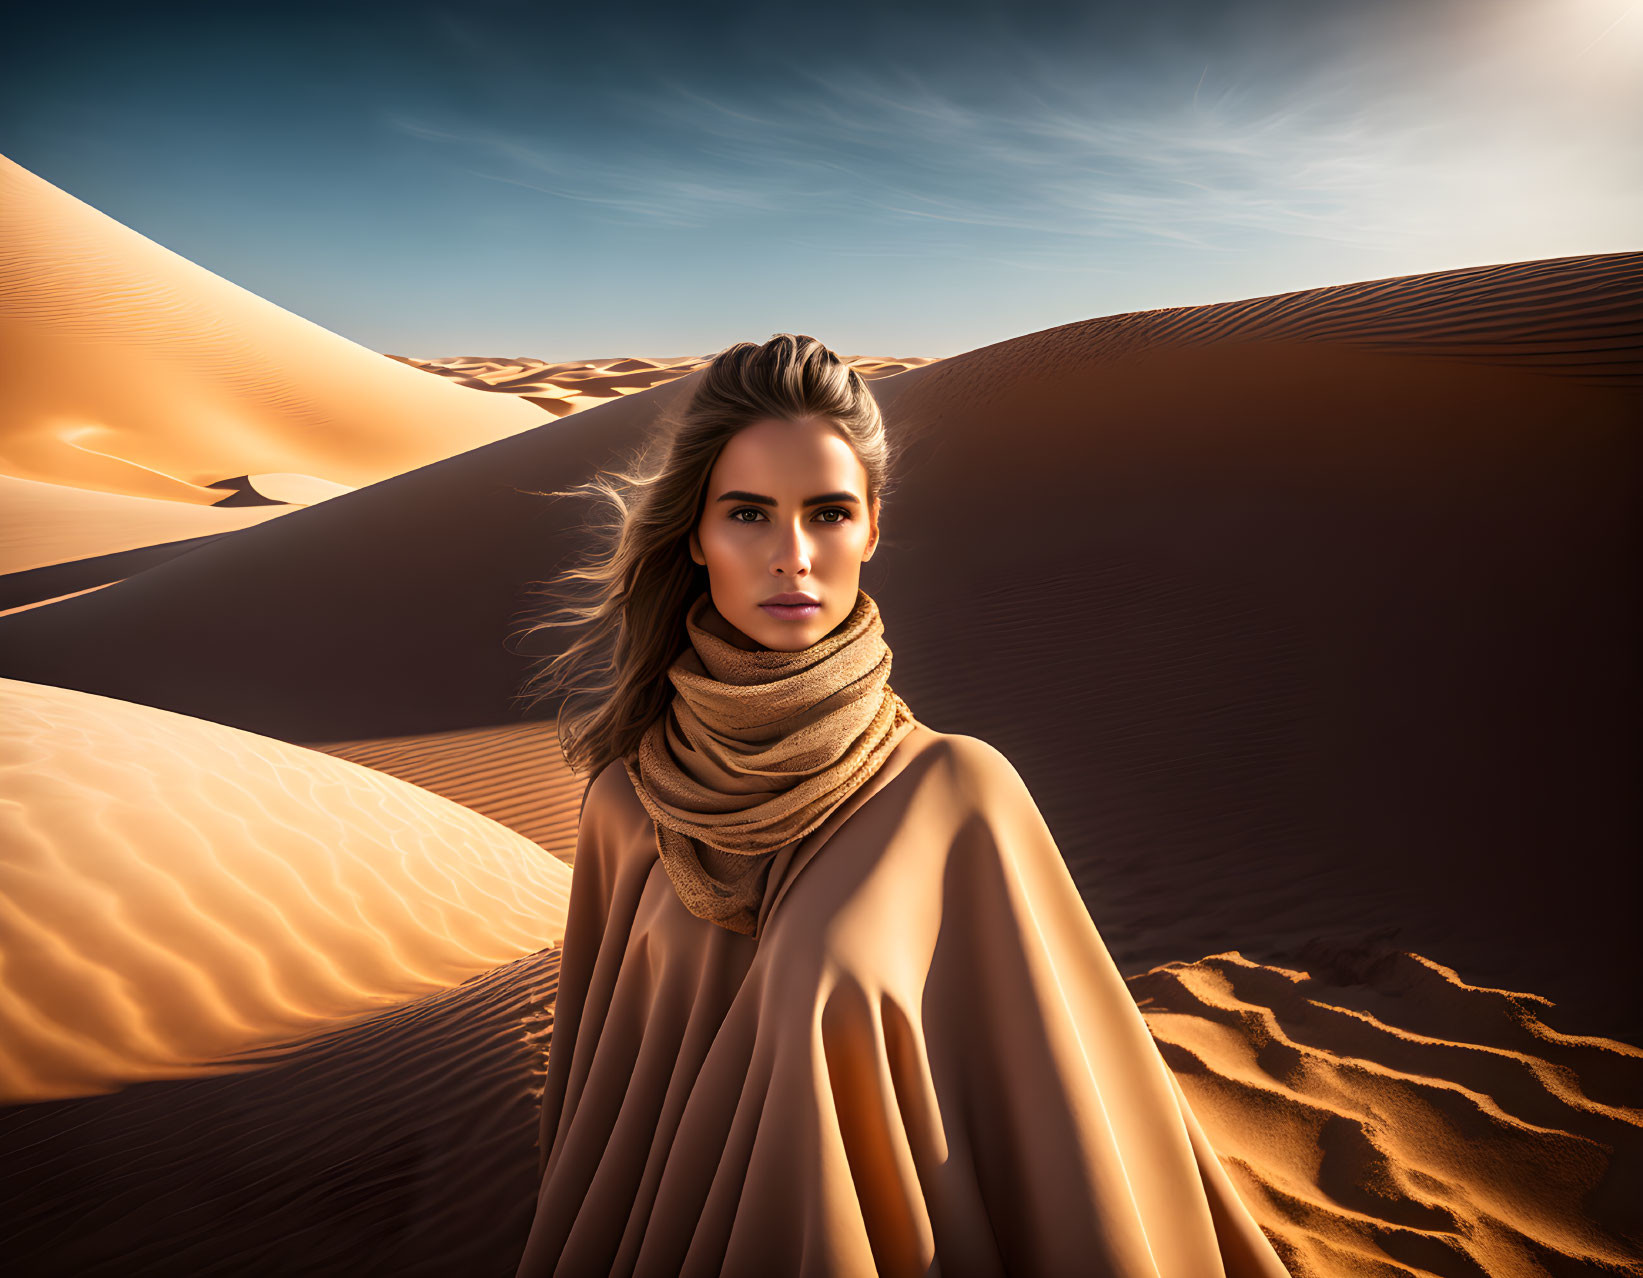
(1513, 140)
(663, 191)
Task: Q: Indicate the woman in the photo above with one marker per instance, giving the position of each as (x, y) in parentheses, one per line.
(829, 1001)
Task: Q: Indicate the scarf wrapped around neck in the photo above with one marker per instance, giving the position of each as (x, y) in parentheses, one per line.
(756, 749)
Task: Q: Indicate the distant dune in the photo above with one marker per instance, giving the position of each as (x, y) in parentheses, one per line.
(566, 388)
(1308, 619)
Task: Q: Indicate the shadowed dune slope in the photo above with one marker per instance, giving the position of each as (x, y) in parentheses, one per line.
(1303, 617)
(404, 1143)
(1385, 1118)
(173, 890)
(130, 369)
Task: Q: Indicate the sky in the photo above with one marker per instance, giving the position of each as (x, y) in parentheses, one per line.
(574, 181)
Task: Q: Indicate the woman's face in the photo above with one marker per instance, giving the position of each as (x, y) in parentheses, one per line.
(786, 513)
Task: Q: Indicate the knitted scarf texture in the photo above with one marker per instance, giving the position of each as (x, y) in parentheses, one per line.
(756, 749)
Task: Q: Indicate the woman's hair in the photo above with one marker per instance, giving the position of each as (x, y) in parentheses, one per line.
(640, 577)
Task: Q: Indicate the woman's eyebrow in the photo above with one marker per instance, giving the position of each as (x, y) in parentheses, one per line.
(736, 494)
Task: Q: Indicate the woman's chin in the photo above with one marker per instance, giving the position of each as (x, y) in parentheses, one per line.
(785, 636)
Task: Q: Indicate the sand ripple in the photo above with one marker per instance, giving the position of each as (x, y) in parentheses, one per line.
(514, 773)
(1389, 1118)
(173, 890)
(401, 1143)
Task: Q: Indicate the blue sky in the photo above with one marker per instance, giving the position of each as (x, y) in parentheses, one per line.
(570, 182)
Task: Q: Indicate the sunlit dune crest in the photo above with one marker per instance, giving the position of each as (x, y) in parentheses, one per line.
(569, 387)
(174, 890)
(277, 490)
(50, 599)
(131, 369)
(515, 773)
(46, 524)
(1396, 1119)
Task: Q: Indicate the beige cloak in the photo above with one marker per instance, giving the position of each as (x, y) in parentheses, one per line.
(927, 1063)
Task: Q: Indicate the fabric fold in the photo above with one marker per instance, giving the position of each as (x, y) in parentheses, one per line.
(927, 1061)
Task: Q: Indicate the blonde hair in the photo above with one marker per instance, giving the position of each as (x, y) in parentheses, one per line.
(639, 578)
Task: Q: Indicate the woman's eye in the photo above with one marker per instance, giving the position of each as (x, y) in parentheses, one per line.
(736, 515)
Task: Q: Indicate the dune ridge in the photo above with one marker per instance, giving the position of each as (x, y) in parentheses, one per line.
(50, 524)
(134, 370)
(1573, 317)
(276, 490)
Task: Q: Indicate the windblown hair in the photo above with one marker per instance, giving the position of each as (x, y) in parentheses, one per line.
(639, 579)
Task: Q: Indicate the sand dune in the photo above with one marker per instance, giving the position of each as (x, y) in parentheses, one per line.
(1388, 1118)
(1305, 618)
(176, 890)
(566, 388)
(1333, 618)
(133, 370)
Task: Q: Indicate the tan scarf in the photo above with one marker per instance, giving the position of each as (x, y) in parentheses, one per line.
(756, 749)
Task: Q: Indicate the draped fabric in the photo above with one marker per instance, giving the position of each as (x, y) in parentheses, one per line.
(760, 745)
(926, 1063)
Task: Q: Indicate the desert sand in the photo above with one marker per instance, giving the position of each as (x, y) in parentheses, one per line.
(568, 387)
(180, 891)
(1308, 619)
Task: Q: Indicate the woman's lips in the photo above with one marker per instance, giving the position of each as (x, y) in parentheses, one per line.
(792, 612)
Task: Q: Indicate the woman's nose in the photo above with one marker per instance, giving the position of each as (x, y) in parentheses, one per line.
(793, 552)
